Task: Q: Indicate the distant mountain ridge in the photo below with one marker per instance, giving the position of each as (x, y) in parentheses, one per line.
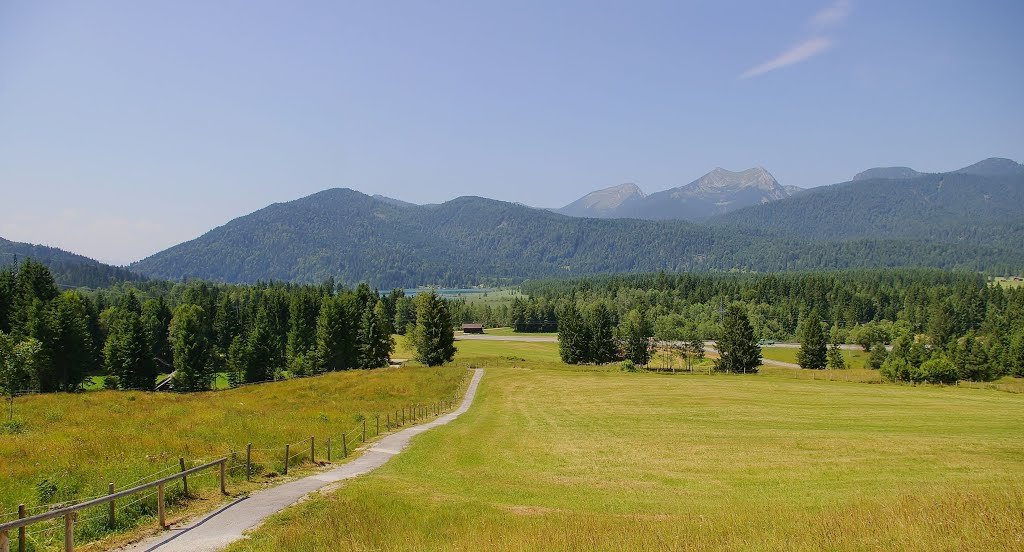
(347, 235)
(68, 269)
(979, 205)
(718, 191)
(993, 166)
(604, 203)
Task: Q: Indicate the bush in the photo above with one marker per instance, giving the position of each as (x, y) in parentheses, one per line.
(628, 366)
(939, 370)
(111, 382)
(878, 356)
(896, 369)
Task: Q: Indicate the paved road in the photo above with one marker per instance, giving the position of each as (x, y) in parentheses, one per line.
(220, 528)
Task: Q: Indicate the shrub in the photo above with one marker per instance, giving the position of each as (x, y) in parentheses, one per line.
(628, 366)
(939, 370)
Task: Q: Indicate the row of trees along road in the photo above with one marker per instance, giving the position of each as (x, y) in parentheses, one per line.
(52, 341)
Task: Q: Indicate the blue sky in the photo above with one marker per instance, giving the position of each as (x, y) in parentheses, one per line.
(128, 127)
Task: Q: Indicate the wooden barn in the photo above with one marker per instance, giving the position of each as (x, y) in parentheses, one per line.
(473, 328)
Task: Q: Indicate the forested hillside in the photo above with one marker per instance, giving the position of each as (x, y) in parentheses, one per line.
(950, 208)
(353, 237)
(68, 269)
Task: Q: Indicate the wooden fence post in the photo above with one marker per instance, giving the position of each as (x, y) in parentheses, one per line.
(312, 449)
(328, 449)
(5, 542)
(344, 445)
(184, 478)
(223, 488)
(21, 530)
(248, 461)
(286, 459)
(160, 505)
(403, 415)
(111, 521)
(388, 427)
(364, 429)
(378, 425)
(69, 531)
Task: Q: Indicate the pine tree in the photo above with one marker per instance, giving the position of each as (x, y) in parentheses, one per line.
(335, 334)
(972, 360)
(813, 351)
(636, 335)
(190, 348)
(434, 336)
(573, 335)
(738, 350)
(302, 315)
(238, 358)
(374, 342)
(156, 319)
(126, 351)
(67, 343)
(602, 347)
(264, 362)
(877, 357)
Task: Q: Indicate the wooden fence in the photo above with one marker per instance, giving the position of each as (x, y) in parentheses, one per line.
(350, 439)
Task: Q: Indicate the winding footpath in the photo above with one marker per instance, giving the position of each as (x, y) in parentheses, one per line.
(225, 525)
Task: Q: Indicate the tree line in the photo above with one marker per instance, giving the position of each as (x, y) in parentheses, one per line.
(951, 318)
(52, 340)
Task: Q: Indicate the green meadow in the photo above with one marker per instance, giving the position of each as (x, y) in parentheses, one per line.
(65, 448)
(553, 457)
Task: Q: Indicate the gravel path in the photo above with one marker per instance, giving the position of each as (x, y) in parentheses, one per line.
(221, 527)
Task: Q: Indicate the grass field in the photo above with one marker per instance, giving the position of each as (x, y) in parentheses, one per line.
(510, 331)
(553, 457)
(854, 359)
(69, 446)
(1009, 282)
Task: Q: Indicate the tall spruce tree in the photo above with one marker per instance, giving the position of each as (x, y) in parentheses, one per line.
(302, 315)
(601, 329)
(67, 344)
(434, 336)
(264, 360)
(573, 335)
(335, 333)
(635, 332)
(126, 351)
(190, 346)
(813, 353)
(738, 351)
(374, 342)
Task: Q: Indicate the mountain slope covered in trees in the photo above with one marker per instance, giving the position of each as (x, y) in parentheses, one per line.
(348, 235)
(983, 207)
(68, 269)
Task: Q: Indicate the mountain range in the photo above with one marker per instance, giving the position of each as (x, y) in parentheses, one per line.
(970, 219)
(719, 191)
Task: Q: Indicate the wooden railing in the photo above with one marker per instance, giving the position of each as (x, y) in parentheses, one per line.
(70, 512)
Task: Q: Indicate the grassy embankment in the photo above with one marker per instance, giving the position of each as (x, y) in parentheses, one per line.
(553, 457)
(72, 445)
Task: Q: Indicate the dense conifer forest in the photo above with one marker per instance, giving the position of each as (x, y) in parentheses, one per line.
(131, 332)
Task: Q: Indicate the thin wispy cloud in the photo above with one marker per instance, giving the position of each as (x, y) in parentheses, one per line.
(805, 50)
(825, 18)
(831, 15)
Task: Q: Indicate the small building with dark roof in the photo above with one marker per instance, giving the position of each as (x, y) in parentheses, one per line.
(473, 328)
